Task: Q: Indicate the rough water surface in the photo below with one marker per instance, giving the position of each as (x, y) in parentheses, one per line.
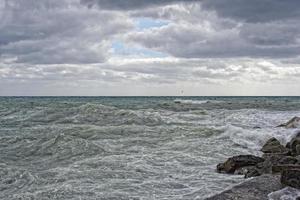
(131, 147)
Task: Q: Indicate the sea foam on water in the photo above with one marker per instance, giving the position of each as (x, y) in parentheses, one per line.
(126, 148)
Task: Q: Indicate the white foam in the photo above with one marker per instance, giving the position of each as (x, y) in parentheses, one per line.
(252, 128)
(187, 101)
(287, 193)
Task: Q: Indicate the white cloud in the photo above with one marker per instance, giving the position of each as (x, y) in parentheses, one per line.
(51, 47)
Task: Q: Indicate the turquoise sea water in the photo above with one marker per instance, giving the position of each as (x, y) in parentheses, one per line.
(131, 147)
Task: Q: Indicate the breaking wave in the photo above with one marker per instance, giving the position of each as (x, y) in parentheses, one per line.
(77, 148)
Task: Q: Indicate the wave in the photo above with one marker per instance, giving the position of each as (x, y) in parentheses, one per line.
(185, 101)
(287, 193)
(92, 150)
(96, 114)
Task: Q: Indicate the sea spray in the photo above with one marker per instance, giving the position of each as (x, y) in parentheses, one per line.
(126, 148)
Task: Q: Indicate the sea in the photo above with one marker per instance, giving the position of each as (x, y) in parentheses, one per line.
(139, 148)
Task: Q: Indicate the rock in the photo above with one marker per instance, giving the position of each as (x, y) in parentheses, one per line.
(281, 167)
(242, 170)
(293, 123)
(271, 160)
(288, 145)
(237, 162)
(295, 146)
(274, 156)
(297, 149)
(274, 146)
(288, 160)
(257, 188)
(252, 172)
(298, 158)
(291, 177)
(248, 172)
(287, 193)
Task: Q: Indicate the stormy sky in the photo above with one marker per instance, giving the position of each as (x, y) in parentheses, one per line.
(149, 47)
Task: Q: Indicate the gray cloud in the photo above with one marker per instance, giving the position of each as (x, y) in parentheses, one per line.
(197, 33)
(160, 76)
(255, 10)
(129, 4)
(248, 11)
(50, 44)
(51, 32)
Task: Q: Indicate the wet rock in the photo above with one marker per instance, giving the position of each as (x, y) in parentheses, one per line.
(274, 146)
(297, 149)
(252, 172)
(298, 159)
(293, 123)
(288, 160)
(288, 145)
(291, 177)
(287, 193)
(257, 188)
(236, 162)
(249, 171)
(282, 167)
(270, 160)
(295, 145)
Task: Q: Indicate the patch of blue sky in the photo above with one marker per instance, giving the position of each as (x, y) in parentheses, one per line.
(119, 48)
(143, 23)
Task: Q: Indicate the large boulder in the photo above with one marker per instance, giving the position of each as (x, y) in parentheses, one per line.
(236, 162)
(248, 171)
(298, 158)
(293, 123)
(279, 168)
(288, 145)
(274, 159)
(252, 172)
(291, 177)
(288, 160)
(274, 146)
(257, 188)
(266, 167)
(294, 145)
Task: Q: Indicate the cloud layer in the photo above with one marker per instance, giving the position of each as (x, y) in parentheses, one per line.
(172, 44)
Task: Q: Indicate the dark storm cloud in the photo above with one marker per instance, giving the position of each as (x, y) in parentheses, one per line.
(129, 4)
(255, 10)
(195, 31)
(245, 10)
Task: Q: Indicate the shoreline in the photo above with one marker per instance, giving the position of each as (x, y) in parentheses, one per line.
(279, 167)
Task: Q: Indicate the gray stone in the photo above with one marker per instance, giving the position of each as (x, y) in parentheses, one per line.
(291, 177)
(298, 158)
(236, 162)
(274, 146)
(294, 143)
(271, 160)
(281, 167)
(288, 160)
(257, 188)
(248, 172)
(293, 123)
(252, 172)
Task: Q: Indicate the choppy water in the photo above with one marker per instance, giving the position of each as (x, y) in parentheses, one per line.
(131, 148)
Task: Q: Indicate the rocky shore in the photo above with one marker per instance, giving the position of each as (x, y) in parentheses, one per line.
(278, 167)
